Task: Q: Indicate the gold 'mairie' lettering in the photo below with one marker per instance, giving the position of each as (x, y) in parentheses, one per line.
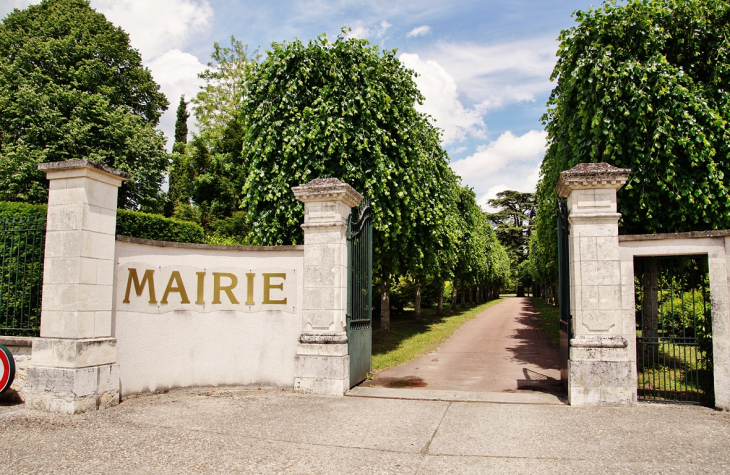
(179, 288)
(249, 289)
(147, 278)
(268, 286)
(228, 289)
(201, 287)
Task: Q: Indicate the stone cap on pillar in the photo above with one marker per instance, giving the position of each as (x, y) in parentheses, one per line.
(327, 189)
(591, 176)
(83, 168)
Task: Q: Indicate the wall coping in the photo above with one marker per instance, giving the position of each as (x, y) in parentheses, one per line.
(687, 235)
(76, 164)
(212, 247)
(16, 340)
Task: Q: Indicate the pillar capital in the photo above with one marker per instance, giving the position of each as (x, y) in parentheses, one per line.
(591, 176)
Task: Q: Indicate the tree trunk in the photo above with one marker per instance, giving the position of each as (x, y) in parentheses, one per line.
(385, 305)
(454, 295)
(471, 294)
(649, 309)
(440, 309)
(463, 295)
(417, 302)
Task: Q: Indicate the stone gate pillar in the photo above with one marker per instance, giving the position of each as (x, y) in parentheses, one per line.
(322, 362)
(74, 362)
(602, 367)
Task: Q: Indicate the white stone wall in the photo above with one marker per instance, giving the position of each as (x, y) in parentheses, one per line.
(191, 346)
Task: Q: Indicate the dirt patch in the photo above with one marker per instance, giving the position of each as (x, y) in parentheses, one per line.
(403, 382)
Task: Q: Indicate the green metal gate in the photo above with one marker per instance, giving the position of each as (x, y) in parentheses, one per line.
(359, 291)
(564, 288)
(673, 329)
(21, 275)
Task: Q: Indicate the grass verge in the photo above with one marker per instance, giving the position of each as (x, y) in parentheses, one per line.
(550, 317)
(409, 339)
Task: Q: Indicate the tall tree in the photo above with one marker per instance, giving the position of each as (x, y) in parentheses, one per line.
(181, 123)
(342, 109)
(513, 222)
(179, 186)
(644, 86)
(72, 87)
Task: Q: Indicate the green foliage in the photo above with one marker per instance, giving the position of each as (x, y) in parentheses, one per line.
(214, 170)
(644, 86)
(346, 110)
(72, 87)
(152, 226)
(10, 210)
(481, 257)
(216, 106)
(181, 122)
(513, 222)
(22, 227)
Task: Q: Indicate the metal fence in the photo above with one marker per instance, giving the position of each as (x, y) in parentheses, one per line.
(674, 329)
(21, 275)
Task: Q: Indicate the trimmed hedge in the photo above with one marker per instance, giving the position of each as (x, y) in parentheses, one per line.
(10, 210)
(129, 223)
(159, 228)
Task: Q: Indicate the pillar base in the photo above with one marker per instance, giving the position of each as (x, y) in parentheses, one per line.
(601, 372)
(322, 365)
(72, 390)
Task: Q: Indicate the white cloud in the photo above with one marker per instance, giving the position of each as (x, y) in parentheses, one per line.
(384, 25)
(177, 73)
(157, 26)
(7, 6)
(509, 163)
(359, 32)
(496, 75)
(442, 100)
(422, 30)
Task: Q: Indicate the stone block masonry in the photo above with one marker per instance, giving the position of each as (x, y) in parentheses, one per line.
(74, 365)
(601, 366)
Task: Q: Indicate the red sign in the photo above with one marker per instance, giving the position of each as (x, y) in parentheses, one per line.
(7, 368)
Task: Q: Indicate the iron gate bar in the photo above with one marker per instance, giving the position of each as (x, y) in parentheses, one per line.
(359, 291)
(671, 364)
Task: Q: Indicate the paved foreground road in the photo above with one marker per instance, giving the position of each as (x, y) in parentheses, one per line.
(274, 431)
(503, 349)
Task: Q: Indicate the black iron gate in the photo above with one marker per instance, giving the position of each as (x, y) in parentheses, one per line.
(564, 288)
(673, 329)
(359, 291)
(21, 275)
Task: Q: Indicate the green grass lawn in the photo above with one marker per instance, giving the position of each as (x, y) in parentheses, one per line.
(550, 317)
(409, 339)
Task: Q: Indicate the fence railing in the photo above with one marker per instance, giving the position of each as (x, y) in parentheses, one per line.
(21, 275)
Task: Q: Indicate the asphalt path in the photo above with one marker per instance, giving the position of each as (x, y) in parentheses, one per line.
(504, 349)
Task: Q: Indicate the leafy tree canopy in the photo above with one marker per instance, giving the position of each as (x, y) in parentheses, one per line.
(72, 87)
(345, 109)
(644, 86)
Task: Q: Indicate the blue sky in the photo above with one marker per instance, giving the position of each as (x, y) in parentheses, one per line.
(484, 66)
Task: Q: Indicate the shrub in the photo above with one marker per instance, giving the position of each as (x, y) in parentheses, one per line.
(152, 226)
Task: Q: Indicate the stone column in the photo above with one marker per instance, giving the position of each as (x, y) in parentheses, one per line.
(602, 366)
(322, 362)
(74, 362)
